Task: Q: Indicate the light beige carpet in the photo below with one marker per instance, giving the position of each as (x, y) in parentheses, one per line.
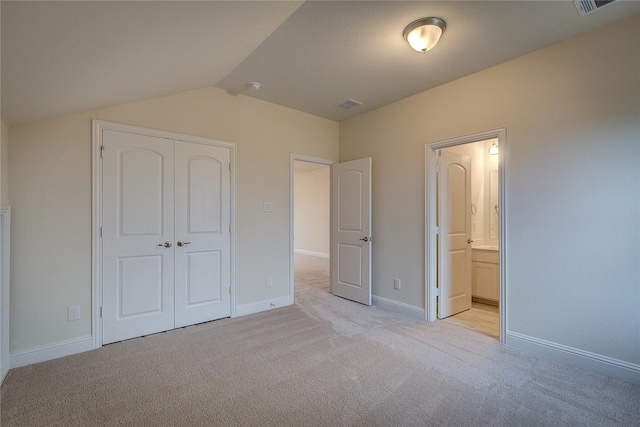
(324, 361)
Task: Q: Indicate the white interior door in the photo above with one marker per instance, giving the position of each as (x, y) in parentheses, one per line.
(203, 247)
(454, 255)
(351, 230)
(166, 234)
(138, 235)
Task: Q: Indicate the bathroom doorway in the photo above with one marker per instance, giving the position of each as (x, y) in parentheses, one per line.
(464, 264)
(481, 314)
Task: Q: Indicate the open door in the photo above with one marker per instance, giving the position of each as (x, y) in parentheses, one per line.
(454, 255)
(351, 230)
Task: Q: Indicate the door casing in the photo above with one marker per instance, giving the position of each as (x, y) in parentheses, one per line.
(96, 211)
(5, 239)
(431, 231)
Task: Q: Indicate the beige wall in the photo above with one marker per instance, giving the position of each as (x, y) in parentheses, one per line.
(50, 179)
(572, 114)
(311, 210)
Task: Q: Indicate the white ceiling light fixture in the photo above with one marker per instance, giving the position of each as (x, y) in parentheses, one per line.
(254, 86)
(424, 33)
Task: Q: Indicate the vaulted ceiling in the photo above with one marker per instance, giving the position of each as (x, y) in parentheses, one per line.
(60, 58)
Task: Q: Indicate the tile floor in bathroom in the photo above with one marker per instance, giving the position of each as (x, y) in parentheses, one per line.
(483, 318)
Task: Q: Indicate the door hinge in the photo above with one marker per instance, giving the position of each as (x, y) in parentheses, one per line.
(101, 232)
(100, 312)
(437, 168)
(101, 150)
(437, 230)
(229, 228)
(229, 290)
(229, 167)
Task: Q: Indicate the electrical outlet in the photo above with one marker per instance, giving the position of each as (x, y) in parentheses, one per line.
(269, 282)
(73, 313)
(396, 284)
(267, 207)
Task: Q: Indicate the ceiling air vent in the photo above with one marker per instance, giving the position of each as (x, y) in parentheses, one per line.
(587, 6)
(349, 104)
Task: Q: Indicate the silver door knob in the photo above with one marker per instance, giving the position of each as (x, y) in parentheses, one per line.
(181, 243)
(165, 244)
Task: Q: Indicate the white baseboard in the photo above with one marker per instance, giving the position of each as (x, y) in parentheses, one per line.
(3, 374)
(318, 254)
(51, 351)
(257, 307)
(595, 362)
(398, 307)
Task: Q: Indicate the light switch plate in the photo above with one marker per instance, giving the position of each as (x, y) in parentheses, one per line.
(73, 313)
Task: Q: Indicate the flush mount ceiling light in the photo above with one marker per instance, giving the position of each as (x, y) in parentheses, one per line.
(424, 33)
(254, 86)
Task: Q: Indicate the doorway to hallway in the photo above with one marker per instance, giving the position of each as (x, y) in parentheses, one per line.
(345, 195)
(310, 223)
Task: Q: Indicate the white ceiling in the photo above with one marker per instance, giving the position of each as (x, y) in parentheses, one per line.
(60, 58)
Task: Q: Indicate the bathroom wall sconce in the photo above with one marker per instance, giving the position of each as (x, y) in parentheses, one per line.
(424, 33)
(493, 149)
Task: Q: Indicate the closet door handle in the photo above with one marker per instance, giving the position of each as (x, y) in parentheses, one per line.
(181, 243)
(165, 244)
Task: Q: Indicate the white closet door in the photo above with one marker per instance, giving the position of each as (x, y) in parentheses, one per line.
(138, 235)
(203, 238)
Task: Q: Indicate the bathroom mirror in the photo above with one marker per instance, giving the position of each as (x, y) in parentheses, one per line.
(493, 205)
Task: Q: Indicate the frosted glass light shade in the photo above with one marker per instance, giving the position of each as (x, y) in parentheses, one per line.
(424, 33)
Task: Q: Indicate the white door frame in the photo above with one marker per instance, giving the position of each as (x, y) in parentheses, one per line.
(96, 211)
(5, 264)
(292, 159)
(430, 211)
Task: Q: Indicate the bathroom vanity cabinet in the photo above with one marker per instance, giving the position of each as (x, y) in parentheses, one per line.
(485, 276)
